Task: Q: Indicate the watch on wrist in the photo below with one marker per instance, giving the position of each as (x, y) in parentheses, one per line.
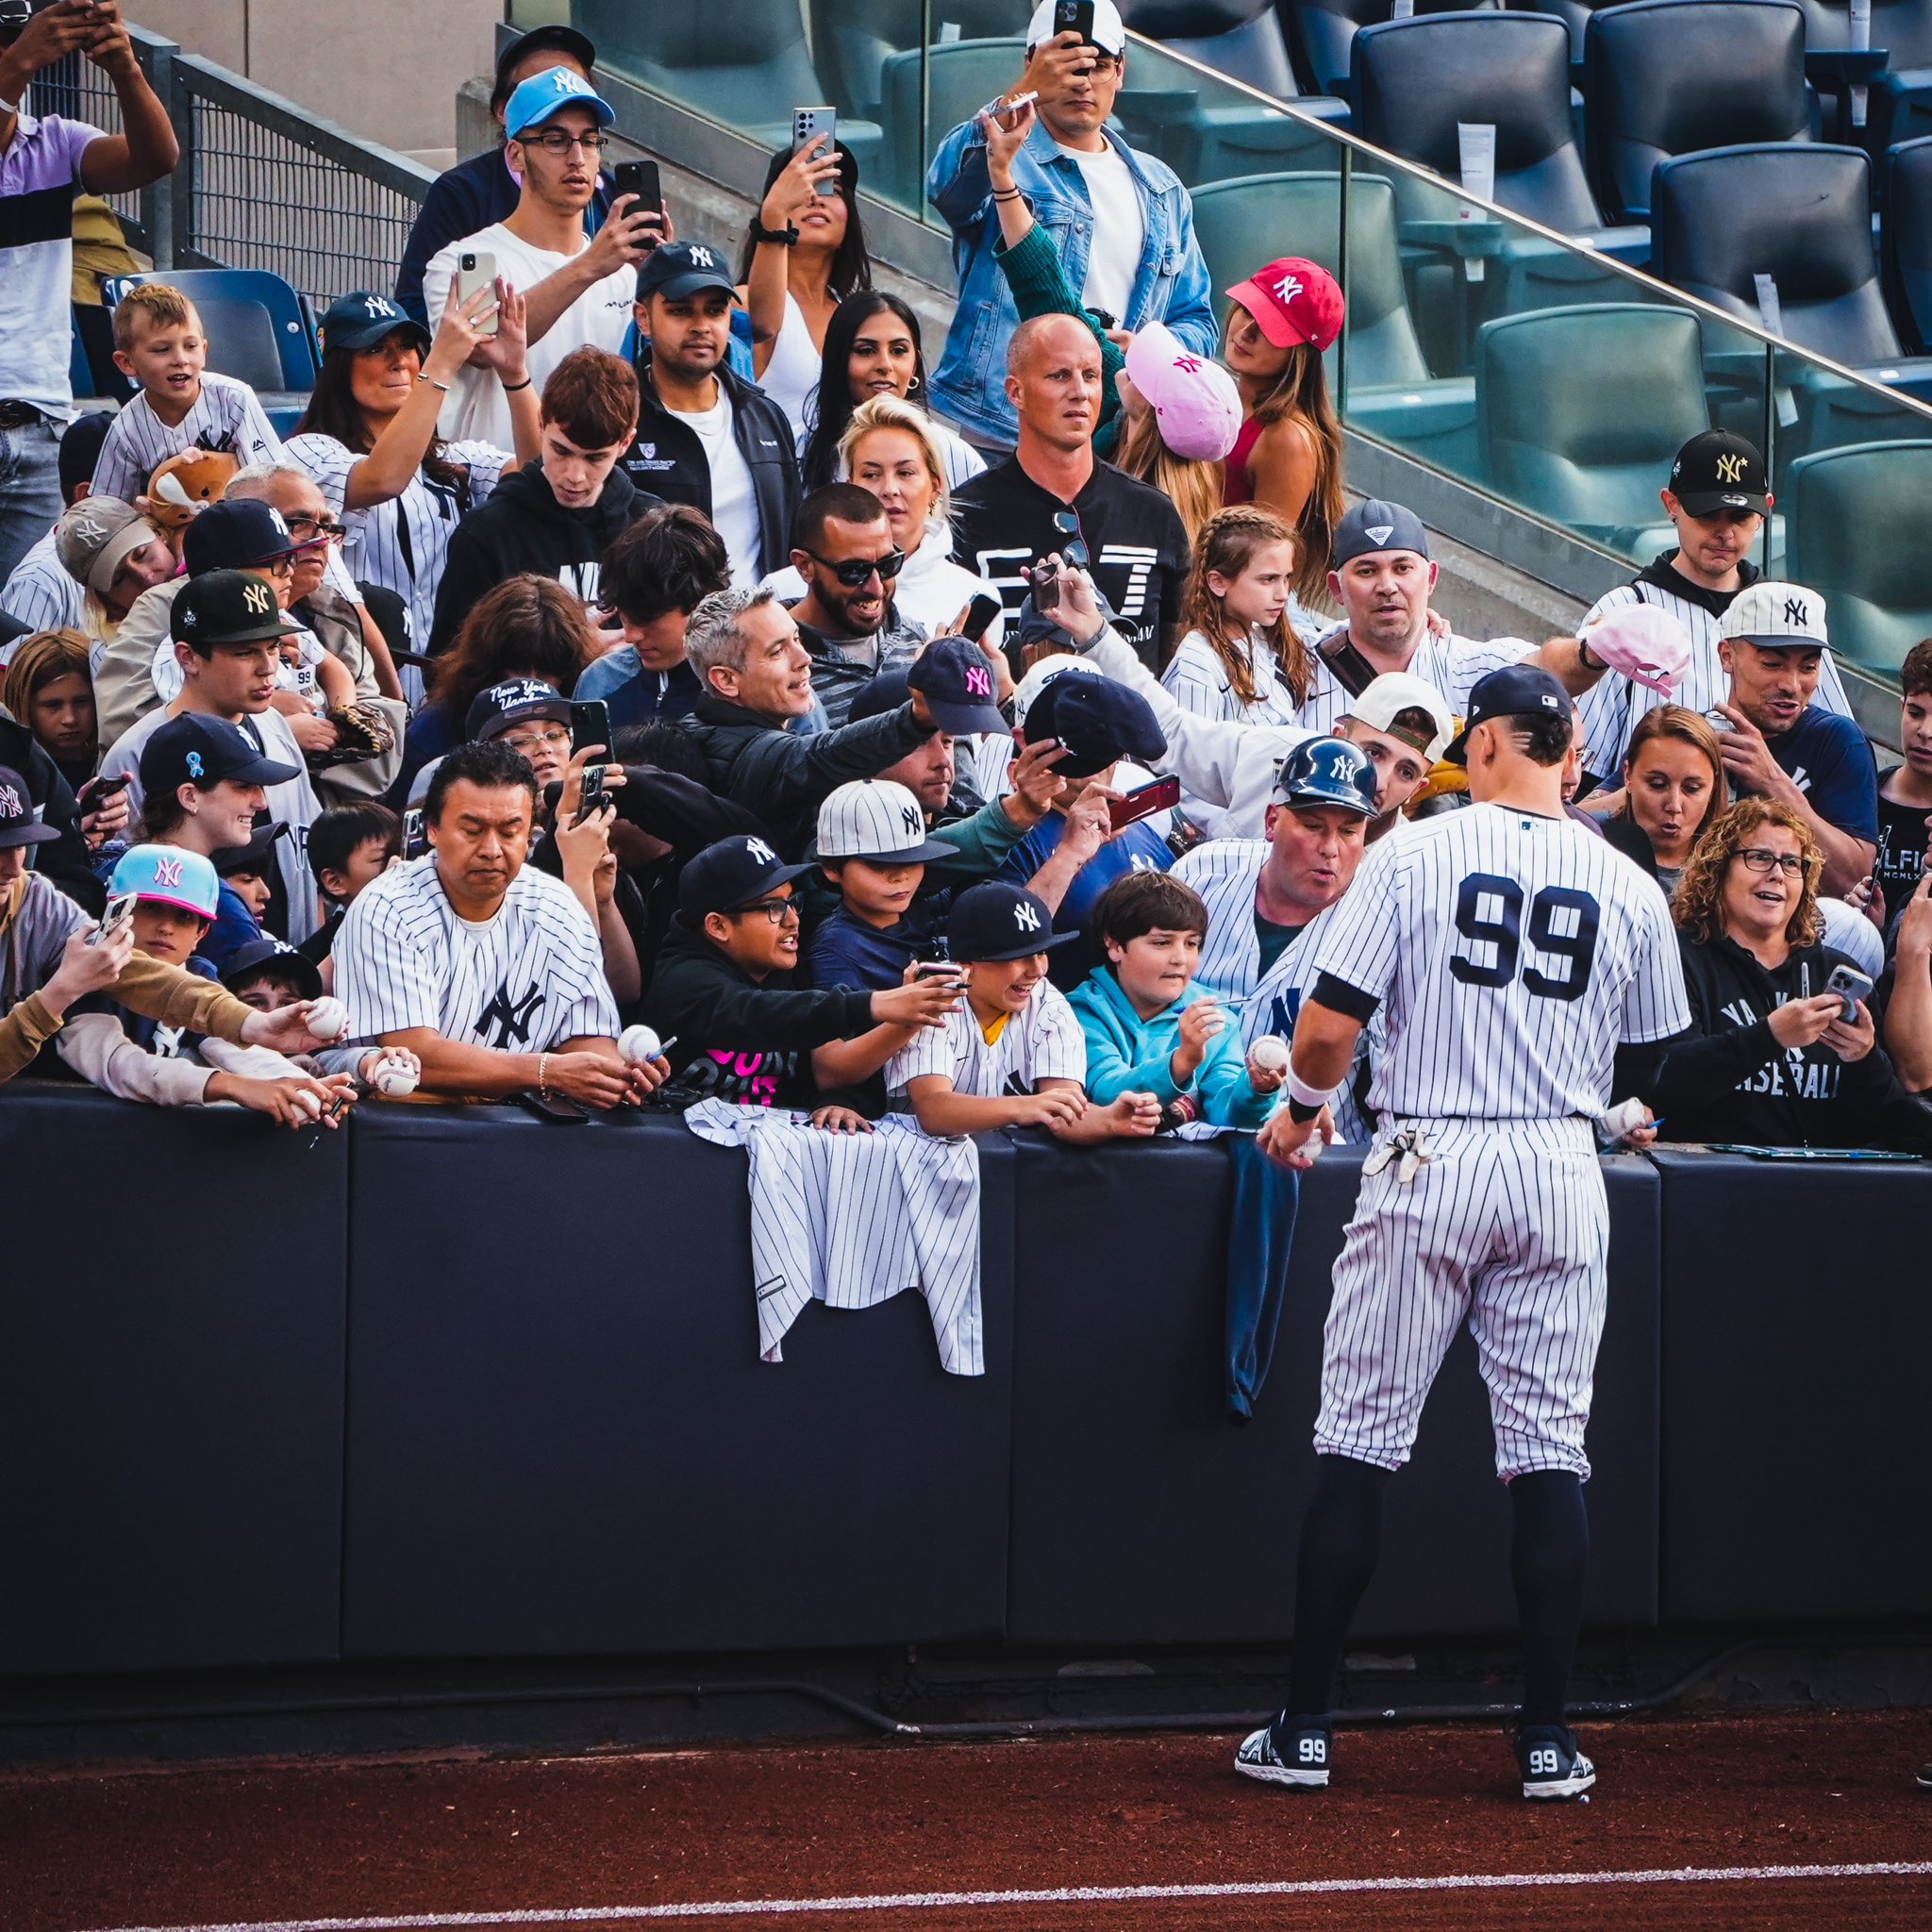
(783, 238)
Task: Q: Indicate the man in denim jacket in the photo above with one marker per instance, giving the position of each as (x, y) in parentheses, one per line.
(1121, 222)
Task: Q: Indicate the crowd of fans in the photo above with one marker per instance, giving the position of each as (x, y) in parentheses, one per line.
(635, 681)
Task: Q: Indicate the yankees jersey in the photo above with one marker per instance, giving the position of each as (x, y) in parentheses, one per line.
(41, 594)
(1198, 682)
(1613, 704)
(1042, 1041)
(1224, 872)
(1451, 664)
(523, 981)
(225, 416)
(1002, 522)
(401, 544)
(1512, 954)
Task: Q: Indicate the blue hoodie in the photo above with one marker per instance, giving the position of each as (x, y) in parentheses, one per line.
(1127, 1054)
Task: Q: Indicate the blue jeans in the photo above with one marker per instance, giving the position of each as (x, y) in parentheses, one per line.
(29, 490)
(1260, 1240)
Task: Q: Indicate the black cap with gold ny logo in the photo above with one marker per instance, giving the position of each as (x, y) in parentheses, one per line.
(1720, 471)
(227, 606)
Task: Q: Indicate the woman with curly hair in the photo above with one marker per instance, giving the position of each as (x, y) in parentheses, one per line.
(1770, 1059)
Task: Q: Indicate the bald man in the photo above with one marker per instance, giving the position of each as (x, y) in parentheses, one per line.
(1004, 521)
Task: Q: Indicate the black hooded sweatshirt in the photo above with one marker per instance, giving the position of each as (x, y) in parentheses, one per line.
(1728, 1080)
(520, 526)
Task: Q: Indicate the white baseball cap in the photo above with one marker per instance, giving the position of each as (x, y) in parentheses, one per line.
(1110, 31)
(1778, 617)
(1043, 673)
(1383, 699)
(879, 820)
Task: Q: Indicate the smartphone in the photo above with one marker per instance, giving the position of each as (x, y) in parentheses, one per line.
(1045, 585)
(97, 792)
(808, 125)
(1851, 985)
(589, 723)
(1163, 795)
(120, 913)
(475, 270)
(594, 793)
(979, 613)
(1008, 112)
(554, 1109)
(1073, 17)
(939, 969)
(641, 178)
(415, 839)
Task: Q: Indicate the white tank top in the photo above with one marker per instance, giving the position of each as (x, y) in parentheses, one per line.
(792, 372)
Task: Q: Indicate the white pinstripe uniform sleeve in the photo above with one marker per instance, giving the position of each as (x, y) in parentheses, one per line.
(389, 970)
(1363, 937)
(575, 965)
(1655, 1005)
(1606, 706)
(1051, 1045)
(41, 595)
(936, 1050)
(122, 468)
(1224, 872)
(1198, 682)
(330, 463)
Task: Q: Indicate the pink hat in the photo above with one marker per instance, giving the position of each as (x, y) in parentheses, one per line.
(1646, 644)
(1192, 396)
(1294, 301)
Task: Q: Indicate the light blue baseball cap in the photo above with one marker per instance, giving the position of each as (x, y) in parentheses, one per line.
(171, 875)
(546, 94)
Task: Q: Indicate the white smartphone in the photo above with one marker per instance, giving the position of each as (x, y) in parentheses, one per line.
(808, 125)
(1851, 985)
(476, 270)
(120, 913)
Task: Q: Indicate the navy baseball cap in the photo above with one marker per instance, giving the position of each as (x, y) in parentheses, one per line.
(195, 749)
(226, 607)
(494, 710)
(80, 449)
(1517, 691)
(256, 856)
(362, 319)
(1372, 526)
(677, 269)
(731, 873)
(542, 40)
(1327, 771)
(275, 956)
(233, 534)
(19, 824)
(997, 920)
(1098, 720)
(957, 681)
(886, 693)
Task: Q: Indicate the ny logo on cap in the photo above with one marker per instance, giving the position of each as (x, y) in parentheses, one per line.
(1188, 365)
(195, 767)
(756, 848)
(565, 82)
(1795, 611)
(10, 806)
(702, 258)
(167, 871)
(978, 682)
(1025, 918)
(1381, 532)
(1286, 288)
(1730, 469)
(908, 817)
(256, 597)
(88, 528)
(281, 527)
(375, 305)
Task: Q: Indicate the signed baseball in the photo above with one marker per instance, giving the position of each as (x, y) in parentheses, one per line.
(394, 1079)
(328, 1019)
(638, 1044)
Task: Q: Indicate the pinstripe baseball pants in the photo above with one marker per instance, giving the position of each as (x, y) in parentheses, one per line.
(1506, 1228)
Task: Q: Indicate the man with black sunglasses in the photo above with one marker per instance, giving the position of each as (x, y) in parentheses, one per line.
(843, 547)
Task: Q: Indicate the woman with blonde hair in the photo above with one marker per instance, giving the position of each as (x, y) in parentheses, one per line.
(1673, 785)
(1770, 1059)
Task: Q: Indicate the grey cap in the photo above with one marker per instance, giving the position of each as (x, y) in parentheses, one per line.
(1375, 525)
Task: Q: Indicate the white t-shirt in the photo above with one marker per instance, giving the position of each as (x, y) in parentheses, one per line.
(1120, 232)
(523, 982)
(225, 416)
(734, 499)
(478, 409)
(1042, 1041)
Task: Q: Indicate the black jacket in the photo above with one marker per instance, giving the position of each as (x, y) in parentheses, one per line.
(1727, 1079)
(521, 526)
(740, 1039)
(668, 456)
(64, 860)
(781, 778)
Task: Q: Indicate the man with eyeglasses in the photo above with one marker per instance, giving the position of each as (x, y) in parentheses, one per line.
(577, 287)
(843, 547)
(1121, 220)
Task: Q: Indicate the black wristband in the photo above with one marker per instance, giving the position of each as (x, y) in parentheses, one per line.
(782, 238)
(1299, 1112)
(509, 389)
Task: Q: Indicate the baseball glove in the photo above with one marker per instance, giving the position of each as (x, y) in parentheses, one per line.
(361, 732)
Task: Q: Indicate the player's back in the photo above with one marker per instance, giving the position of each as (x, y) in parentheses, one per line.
(1511, 951)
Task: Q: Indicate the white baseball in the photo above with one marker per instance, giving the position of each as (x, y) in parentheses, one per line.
(1269, 1054)
(639, 1043)
(394, 1078)
(328, 1019)
(1625, 1119)
(308, 1103)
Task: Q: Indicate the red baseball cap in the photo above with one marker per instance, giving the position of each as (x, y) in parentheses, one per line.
(1294, 301)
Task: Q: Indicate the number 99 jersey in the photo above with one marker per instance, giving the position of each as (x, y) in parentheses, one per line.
(1510, 953)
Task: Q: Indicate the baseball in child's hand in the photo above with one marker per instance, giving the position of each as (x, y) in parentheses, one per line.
(1269, 1054)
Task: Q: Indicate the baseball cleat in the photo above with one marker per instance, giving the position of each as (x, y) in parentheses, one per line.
(1304, 1766)
(1551, 1764)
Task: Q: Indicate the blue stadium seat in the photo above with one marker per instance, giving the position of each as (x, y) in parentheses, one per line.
(1667, 77)
(1588, 454)
(1856, 519)
(258, 326)
(855, 38)
(1909, 242)
(960, 78)
(1322, 34)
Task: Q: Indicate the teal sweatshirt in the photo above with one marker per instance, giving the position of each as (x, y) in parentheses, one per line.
(1127, 1054)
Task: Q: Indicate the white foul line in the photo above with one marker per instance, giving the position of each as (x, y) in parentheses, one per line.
(1065, 1895)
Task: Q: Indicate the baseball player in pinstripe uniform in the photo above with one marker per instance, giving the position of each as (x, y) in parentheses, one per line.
(1512, 952)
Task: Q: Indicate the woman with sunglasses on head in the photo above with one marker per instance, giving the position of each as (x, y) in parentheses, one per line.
(806, 254)
(872, 349)
(1770, 1059)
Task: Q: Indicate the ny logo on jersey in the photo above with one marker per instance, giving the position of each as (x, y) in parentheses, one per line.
(1025, 918)
(1286, 288)
(1795, 611)
(756, 848)
(511, 1018)
(167, 871)
(979, 683)
(1730, 469)
(257, 596)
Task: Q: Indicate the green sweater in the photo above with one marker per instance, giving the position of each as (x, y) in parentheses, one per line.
(1039, 287)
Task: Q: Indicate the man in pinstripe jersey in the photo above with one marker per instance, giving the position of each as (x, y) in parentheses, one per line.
(1511, 951)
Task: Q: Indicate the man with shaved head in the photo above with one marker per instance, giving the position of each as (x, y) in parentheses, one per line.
(1053, 494)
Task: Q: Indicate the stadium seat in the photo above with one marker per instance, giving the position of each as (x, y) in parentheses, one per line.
(960, 78)
(1856, 521)
(1392, 394)
(1909, 242)
(1587, 455)
(745, 64)
(1574, 14)
(1667, 77)
(259, 329)
(856, 38)
(1322, 34)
